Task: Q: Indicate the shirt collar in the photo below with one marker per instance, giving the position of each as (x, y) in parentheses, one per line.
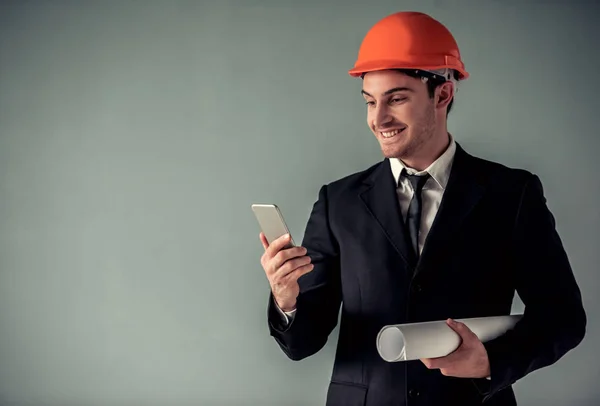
(439, 170)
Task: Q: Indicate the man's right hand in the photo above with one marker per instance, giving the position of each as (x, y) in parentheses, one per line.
(283, 267)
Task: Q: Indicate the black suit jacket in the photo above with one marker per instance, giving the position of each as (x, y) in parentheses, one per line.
(493, 235)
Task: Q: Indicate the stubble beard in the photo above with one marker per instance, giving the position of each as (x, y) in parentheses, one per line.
(417, 137)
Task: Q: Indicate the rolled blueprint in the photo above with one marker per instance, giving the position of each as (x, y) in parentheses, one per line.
(432, 339)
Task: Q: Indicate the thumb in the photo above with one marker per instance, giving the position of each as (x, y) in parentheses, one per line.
(264, 241)
(462, 330)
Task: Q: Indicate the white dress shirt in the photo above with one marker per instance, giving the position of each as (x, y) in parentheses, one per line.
(432, 193)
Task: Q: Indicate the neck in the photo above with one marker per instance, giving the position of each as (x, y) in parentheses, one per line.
(429, 153)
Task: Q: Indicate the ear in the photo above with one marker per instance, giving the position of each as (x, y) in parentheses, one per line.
(444, 94)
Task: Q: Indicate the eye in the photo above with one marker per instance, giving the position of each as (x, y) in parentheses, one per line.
(398, 99)
(370, 103)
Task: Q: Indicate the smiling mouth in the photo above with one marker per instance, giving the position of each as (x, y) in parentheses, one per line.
(390, 134)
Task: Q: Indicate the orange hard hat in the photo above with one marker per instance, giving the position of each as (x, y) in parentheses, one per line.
(409, 40)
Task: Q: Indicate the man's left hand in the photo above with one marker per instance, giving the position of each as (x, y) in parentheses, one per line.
(469, 360)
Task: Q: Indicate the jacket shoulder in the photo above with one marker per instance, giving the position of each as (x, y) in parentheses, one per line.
(499, 174)
(354, 180)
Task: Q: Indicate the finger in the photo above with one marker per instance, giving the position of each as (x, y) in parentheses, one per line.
(277, 245)
(293, 264)
(462, 330)
(264, 241)
(447, 372)
(435, 363)
(446, 361)
(428, 362)
(287, 254)
(298, 272)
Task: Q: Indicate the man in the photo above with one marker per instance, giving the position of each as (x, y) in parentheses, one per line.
(429, 233)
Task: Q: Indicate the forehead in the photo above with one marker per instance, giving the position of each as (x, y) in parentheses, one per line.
(379, 82)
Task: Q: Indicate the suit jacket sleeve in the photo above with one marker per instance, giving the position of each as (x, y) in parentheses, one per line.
(318, 304)
(554, 320)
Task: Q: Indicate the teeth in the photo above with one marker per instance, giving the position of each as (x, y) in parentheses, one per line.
(390, 133)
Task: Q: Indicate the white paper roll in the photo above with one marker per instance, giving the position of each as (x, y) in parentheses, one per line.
(432, 339)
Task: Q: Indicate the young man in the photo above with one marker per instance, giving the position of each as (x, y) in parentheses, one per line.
(429, 233)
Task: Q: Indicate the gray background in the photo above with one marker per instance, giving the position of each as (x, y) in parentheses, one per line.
(135, 135)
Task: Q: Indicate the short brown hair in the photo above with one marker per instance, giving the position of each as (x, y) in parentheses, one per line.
(433, 81)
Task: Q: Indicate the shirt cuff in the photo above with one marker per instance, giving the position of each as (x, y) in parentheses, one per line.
(287, 316)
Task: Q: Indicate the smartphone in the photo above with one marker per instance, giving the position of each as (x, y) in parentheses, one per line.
(271, 222)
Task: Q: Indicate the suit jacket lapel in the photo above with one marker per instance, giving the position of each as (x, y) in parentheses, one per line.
(463, 191)
(380, 199)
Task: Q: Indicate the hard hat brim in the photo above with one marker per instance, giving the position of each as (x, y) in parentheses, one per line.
(371, 66)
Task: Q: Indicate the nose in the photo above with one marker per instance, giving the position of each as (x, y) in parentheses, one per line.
(380, 116)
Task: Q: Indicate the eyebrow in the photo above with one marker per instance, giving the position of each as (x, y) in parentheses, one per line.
(390, 91)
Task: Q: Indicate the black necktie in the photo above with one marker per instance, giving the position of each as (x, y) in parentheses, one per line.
(413, 216)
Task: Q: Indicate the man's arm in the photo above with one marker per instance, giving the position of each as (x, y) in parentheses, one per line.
(318, 303)
(554, 320)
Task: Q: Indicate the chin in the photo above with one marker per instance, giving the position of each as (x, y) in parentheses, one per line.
(392, 154)
(395, 151)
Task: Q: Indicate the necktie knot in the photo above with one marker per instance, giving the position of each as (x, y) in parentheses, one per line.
(417, 181)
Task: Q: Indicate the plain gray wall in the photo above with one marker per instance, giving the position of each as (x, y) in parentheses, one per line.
(135, 135)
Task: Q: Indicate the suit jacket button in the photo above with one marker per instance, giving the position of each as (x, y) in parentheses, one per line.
(413, 393)
(417, 288)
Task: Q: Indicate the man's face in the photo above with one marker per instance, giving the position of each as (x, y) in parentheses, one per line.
(400, 113)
